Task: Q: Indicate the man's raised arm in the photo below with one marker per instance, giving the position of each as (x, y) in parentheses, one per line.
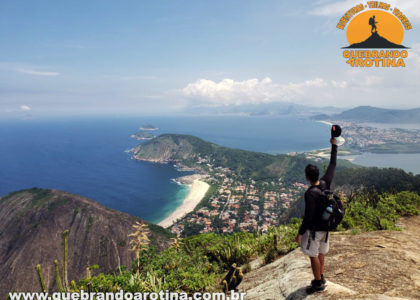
(329, 174)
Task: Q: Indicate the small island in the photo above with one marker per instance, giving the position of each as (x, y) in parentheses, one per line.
(143, 135)
(148, 127)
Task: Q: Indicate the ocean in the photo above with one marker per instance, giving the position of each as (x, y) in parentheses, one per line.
(88, 156)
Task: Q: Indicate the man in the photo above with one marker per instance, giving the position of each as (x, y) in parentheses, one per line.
(313, 234)
(373, 23)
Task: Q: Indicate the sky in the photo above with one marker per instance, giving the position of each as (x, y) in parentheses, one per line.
(166, 57)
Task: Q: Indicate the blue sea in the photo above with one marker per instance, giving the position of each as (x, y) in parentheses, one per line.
(88, 156)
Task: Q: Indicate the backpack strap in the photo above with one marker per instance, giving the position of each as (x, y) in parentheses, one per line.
(319, 188)
(326, 236)
(309, 243)
(314, 187)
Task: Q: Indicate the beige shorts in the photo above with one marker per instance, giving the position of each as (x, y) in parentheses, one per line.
(312, 247)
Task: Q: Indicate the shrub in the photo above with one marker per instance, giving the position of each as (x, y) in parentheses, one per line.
(369, 211)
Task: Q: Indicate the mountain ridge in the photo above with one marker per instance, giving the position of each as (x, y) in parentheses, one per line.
(375, 41)
(375, 115)
(190, 150)
(32, 222)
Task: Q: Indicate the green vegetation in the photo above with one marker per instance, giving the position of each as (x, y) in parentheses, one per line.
(198, 263)
(387, 180)
(58, 280)
(57, 203)
(232, 279)
(369, 211)
(258, 166)
(158, 230)
(40, 198)
(36, 192)
(382, 180)
(90, 222)
(210, 192)
(215, 262)
(40, 278)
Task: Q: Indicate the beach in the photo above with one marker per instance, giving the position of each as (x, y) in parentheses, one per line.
(197, 192)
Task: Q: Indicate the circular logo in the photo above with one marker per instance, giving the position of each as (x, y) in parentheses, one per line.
(375, 29)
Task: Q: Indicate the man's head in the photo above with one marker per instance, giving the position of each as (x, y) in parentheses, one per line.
(312, 173)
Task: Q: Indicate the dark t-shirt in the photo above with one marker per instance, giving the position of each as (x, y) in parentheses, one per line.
(313, 211)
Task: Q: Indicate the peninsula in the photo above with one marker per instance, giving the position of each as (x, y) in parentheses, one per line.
(377, 130)
(235, 189)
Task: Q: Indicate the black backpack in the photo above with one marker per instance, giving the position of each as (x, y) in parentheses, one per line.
(332, 211)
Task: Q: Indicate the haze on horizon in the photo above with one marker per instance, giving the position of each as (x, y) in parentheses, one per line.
(149, 58)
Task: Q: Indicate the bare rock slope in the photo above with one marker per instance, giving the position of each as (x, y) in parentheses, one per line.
(373, 265)
(31, 225)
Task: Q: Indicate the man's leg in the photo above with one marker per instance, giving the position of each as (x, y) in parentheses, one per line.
(316, 267)
(324, 246)
(321, 262)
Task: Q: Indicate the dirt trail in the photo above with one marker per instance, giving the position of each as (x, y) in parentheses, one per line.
(373, 265)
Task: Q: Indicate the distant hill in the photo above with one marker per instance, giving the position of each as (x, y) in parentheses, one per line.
(262, 109)
(187, 149)
(31, 224)
(376, 115)
(375, 41)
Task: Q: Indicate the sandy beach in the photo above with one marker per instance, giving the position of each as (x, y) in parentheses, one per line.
(197, 192)
(326, 122)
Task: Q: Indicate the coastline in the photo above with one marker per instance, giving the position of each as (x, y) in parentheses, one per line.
(324, 152)
(197, 192)
(325, 122)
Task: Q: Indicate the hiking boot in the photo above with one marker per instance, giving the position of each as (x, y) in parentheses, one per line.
(323, 279)
(316, 286)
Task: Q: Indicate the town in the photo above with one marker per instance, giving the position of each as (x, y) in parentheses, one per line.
(366, 138)
(238, 204)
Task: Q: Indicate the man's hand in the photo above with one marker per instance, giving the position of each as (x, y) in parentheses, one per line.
(333, 141)
(298, 239)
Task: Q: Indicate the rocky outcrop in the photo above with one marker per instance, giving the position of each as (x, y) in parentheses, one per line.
(374, 265)
(31, 224)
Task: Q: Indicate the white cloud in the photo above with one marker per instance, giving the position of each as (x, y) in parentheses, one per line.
(38, 73)
(410, 8)
(25, 108)
(339, 84)
(253, 91)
